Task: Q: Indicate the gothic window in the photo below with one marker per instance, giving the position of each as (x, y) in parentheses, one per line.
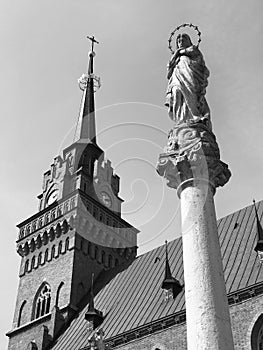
(26, 266)
(39, 259)
(33, 263)
(53, 250)
(28, 229)
(60, 247)
(67, 244)
(257, 334)
(46, 255)
(42, 303)
(32, 346)
(20, 320)
(58, 301)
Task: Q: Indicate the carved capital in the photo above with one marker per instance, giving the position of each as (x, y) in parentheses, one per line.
(192, 153)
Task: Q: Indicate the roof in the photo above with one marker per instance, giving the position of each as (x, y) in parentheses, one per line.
(134, 296)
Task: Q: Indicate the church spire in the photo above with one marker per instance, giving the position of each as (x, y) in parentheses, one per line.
(86, 127)
(169, 282)
(93, 315)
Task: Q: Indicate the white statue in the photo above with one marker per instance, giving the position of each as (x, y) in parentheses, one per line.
(187, 74)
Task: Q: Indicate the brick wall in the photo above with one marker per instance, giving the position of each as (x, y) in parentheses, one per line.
(243, 317)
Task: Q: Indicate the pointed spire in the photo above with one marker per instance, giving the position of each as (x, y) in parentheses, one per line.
(86, 127)
(168, 274)
(93, 315)
(169, 282)
(91, 302)
(259, 246)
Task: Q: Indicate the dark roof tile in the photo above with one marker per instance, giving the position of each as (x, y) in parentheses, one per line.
(134, 296)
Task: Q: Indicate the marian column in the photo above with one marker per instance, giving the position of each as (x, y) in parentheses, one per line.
(191, 164)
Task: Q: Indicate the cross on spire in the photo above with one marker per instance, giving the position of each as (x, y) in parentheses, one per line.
(93, 40)
(86, 128)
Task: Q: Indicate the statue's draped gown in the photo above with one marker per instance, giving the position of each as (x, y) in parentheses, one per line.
(185, 97)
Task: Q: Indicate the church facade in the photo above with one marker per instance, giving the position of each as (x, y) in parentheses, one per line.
(82, 285)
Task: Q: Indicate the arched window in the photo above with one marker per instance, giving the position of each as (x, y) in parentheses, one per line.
(53, 250)
(26, 266)
(20, 319)
(60, 247)
(257, 334)
(46, 255)
(42, 302)
(58, 294)
(39, 259)
(67, 244)
(32, 346)
(33, 262)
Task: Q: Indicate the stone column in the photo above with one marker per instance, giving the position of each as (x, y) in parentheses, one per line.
(191, 164)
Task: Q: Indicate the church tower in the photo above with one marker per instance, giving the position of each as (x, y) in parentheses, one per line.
(76, 236)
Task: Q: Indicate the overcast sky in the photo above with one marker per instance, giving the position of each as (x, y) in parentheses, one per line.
(44, 51)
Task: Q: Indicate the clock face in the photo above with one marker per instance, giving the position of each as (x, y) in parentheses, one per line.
(52, 197)
(106, 199)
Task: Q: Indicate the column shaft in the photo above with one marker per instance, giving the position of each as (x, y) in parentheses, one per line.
(207, 312)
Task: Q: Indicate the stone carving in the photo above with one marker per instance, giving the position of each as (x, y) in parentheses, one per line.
(96, 340)
(192, 153)
(187, 74)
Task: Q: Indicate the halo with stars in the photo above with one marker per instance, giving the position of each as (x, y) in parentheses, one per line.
(178, 28)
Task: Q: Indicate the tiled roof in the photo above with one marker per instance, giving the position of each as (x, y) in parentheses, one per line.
(134, 296)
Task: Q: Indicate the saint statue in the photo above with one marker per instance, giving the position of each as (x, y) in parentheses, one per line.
(188, 79)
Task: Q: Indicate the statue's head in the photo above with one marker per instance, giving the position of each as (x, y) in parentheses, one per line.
(183, 41)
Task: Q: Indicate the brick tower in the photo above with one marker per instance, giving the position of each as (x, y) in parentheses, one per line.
(76, 233)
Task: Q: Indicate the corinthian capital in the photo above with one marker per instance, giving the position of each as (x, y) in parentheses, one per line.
(192, 154)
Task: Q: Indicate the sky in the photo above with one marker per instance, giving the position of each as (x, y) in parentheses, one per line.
(44, 51)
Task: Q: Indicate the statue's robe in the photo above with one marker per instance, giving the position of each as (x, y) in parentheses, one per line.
(187, 84)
